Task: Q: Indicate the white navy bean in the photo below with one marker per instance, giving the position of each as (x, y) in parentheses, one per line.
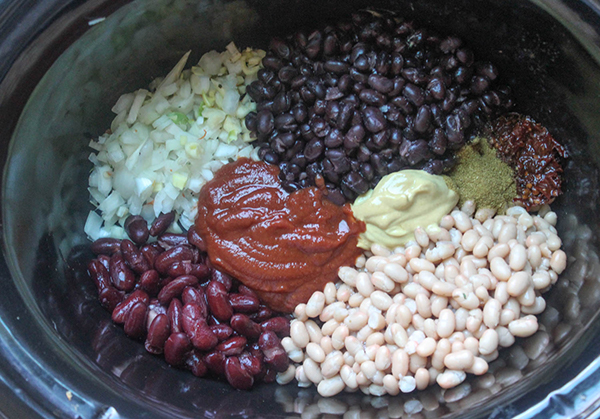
(518, 283)
(396, 272)
(331, 386)
(558, 262)
(381, 281)
(518, 257)
(500, 268)
(450, 378)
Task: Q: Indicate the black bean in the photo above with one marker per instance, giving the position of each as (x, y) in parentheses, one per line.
(281, 103)
(380, 139)
(272, 63)
(307, 95)
(363, 154)
(344, 83)
(372, 97)
(488, 70)
(337, 67)
(434, 167)
(265, 75)
(463, 74)
(285, 122)
(450, 44)
(270, 157)
(313, 149)
(300, 112)
(414, 94)
(397, 63)
(330, 45)
(319, 107)
(281, 48)
(403, 104)
(319, 127)
(465, 56)
(345, 116)
(394, 166)
(356, 183)
(366, 171)
(437, 88)
(265, 122)
(373, 119)
(454, 129)
(422, 119)
(313, 46)
(298, 82)
(379, 164)
(380, 83)
(417, 152)
(335, 138)
(438, 142)
(251, 121)
(354, 136)
(338, 159)
(479, 84)
(415, 75)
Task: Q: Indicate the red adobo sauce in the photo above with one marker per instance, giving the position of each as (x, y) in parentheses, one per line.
(284, 246)
(530, 149)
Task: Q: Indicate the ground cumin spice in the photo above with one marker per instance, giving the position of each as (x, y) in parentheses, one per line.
(481, 176)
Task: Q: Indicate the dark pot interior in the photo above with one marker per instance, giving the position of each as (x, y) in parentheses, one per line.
(61, 76)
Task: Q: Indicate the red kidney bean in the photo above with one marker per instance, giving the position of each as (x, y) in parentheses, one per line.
(176, 348)
(119, 314)
(174, 314)
(264, 313)
(135, 323)
(237, 376)
(169, 240)
(99, 275)
(186, 267)
(154, 309)
(250, 363)
(150, 282)
(279, 325)
(194, 238)
(242, 303)
(121, 276)
(110, 297)
(216, 296)
(151, 251)
(270, 376)
(196, 296)
(221, 331)
(242, 289)
(158, 333)
(161, 223)
(137, 229)
(244, 326)
(104, 260)
(133, 257)
(196, 328)
(212, 321)
(106, 246)
(174, 254)
(233, 346)
(223, 278)
(175, 288)
(256, 352)
(195, 363)
(215, 361)
(275, 355)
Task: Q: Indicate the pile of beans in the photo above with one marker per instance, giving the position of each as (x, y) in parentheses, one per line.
(356, 101)
(199, 318)
(432, 311)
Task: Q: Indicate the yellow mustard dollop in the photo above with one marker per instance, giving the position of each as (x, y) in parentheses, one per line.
(401, 202)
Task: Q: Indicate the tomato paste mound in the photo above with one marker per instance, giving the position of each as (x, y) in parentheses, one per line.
(284, 246)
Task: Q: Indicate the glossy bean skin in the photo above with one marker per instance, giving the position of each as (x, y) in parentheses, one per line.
(119, 314)
(158, 333)
(176, 348)
(170, 240)
(275, 355)
(175, 288)
(164, 260)
(106, 246)
(218, 301)
(243, 303)
(137, 229)
(134, 257)
(121, 276)
(161, 223)
(243, 325)
(237, 376)
(135, 323)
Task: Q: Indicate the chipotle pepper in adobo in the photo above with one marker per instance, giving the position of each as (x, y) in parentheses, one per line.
(284, 246)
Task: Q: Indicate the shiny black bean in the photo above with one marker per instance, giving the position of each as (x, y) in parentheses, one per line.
(454, 129)
(479, 84)
(330, 45)
(356, 183)
(380, 83)
(380, 139)
(272, 63)
(397, 63)
(344, 83)
(334, 139)
(319, 127)
(271, 158)
(337, 67)
(265, 122)
(434, 167)
(354, 136)
(417, 152)
(372, 97)
(414, 94)
(338, 159)
(437, 88)
(298, 82)
(488, 70)
(313, 149)
(438, 142)
(319, 108)
(332, 111)
(422, 120)
(373, 119)
(357, 76)
(287, 74)
(463, 74)
(281, 103)
(307, 95)
(314, 44)
(285, 122)
(465, 56)
(300, 112)
(366, 171)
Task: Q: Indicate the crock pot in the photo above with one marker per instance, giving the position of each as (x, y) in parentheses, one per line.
(62, 66)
